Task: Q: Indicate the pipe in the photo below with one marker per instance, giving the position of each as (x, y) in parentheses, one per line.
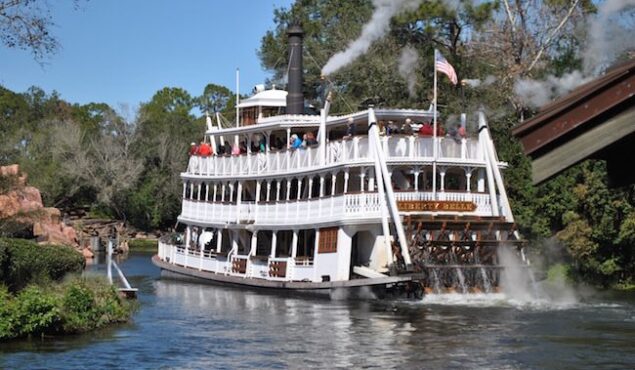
(488, 169)
(489, 145)
(390, 195)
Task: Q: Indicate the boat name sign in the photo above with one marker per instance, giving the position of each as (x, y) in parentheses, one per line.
(427, 205)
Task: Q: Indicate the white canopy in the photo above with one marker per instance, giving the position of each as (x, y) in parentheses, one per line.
(267, 98)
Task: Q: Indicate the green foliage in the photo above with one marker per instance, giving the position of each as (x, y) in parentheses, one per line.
(37, 312)
(77, 305)
(143, 245)
(23, 262)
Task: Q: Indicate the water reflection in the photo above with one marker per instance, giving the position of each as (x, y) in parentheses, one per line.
(182, 325)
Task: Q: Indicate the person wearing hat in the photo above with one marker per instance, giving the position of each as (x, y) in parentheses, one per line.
(193, 149)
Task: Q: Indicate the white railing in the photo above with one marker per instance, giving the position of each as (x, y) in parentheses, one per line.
(398, 147)
(301, 269)
(335, 208)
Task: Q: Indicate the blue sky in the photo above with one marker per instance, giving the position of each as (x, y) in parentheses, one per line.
(122, 52)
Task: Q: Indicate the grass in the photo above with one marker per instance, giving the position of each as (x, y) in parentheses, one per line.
(143, 245)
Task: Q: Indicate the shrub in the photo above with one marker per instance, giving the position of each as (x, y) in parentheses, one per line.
(23, 262)
(37, 312)
(74, 306)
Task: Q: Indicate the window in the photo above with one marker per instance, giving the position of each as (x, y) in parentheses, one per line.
(328, 240)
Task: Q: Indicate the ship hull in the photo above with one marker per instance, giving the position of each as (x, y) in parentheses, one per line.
(330, 289)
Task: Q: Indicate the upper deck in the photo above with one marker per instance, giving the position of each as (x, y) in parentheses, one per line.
(340, 150)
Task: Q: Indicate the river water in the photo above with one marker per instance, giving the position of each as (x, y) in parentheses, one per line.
(193, 326)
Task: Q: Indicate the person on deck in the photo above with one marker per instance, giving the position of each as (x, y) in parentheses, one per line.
(350, 128)
(310, 139)
(461, 132)
(295, 142)
(406, 128)
(193, 149)
(426, 129)
(204, 149)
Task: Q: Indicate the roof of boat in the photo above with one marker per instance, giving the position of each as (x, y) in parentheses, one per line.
(266, 98)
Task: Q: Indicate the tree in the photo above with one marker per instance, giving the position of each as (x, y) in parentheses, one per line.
(26, 25)
(215, 98)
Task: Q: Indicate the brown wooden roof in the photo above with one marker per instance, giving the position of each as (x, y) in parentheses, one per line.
(583, 108)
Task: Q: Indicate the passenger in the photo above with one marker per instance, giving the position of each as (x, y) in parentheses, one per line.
(310, 139)
(295, 141)
(392, 129)
(235, 149)
(193, 149)
(228, 148)
(204, 150)
(243, 147)
(462, 133)
(350, 128)
(407, 127)
(426, 129)
(440, 129)
(304, 144)
(262, 147)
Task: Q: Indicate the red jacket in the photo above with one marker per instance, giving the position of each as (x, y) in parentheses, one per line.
(205, 150)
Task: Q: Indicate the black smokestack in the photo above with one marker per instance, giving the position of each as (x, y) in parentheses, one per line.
(295, 98)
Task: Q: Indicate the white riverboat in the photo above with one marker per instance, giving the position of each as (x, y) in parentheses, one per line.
(373, 202)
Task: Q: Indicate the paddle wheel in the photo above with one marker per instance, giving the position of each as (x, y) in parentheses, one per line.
(458, 254)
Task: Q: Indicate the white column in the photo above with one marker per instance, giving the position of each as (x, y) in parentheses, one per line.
(222, 193)
(207, 192)
(191, 190)
(362, 176)
(442, 174)
(310, 187)
(294, 244)
(231, 192)
(416, 173)
(184, 189)
(278, 190)
(346, 175)
(254, 243)
(215, 191)
(288, 189)
(239, 196)
(198, 196)
(299, 188)
(321, 186)
(274, 242)
(468, 180)
(219, 240)
(268, 191)
(333, 178)
(480, 185)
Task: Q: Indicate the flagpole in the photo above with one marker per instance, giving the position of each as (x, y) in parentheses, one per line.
(434, 135)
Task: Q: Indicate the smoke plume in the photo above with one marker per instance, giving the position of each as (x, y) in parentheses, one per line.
(407, 65)
(609, 34)
(376, 28)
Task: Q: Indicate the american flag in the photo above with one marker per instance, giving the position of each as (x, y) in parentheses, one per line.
(443, 66)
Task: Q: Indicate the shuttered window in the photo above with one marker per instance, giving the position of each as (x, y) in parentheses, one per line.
(328, 240)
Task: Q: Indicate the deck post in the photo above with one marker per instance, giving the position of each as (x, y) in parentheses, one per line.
(274, 242)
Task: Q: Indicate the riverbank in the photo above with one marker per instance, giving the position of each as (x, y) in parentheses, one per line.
(43, 294)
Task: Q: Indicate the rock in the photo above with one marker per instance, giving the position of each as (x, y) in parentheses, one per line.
(9, 205)
(86, 252)
(23, 204)
(10, 170)
(124, 247)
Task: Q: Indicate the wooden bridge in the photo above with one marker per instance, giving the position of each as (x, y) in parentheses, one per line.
(596, 120)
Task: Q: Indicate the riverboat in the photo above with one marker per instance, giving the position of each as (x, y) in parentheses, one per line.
(375, 200)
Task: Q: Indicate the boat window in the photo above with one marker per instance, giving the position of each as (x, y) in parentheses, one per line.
(306, 243)
(328, 240)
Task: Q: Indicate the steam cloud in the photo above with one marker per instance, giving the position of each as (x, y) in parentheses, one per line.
(372, 31)
(608, 34)
(407, 64)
